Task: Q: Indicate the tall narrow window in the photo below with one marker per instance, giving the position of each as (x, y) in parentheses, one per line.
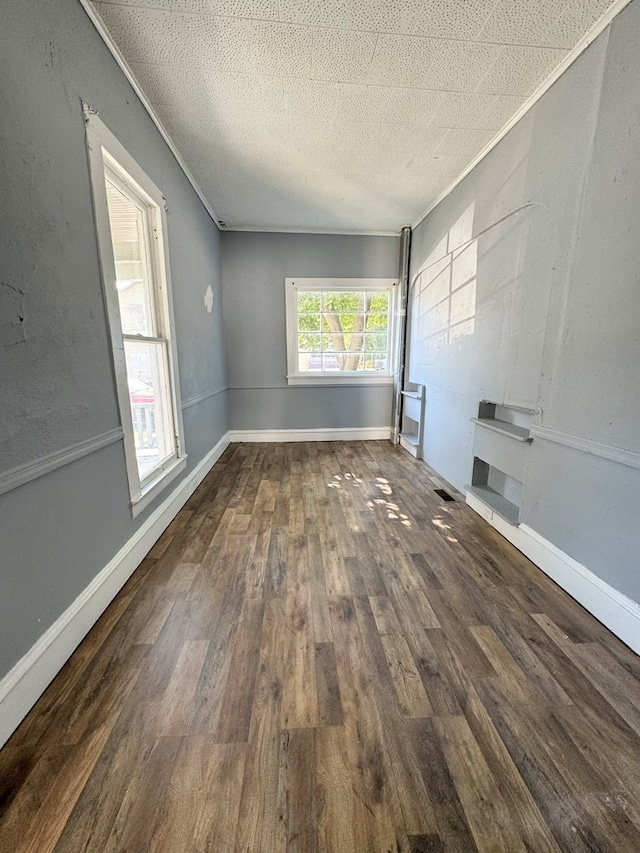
(132, 236)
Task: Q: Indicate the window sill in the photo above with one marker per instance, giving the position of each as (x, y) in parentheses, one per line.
(153, 489)
(330, 379)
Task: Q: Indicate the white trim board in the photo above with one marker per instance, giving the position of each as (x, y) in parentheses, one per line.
(630, 458)
(32, 470)
(105, 35)
(24, 684)
(206, 395)
(620, 614)
(323, 434)
(344, 232)
(599, 27)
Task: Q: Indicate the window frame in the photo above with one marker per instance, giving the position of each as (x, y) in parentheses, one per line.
(356, 377)
(108, 155)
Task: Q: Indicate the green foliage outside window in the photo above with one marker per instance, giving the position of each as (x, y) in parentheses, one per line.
(344, 330)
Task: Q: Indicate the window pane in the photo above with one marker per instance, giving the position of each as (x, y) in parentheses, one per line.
(308, 322)
(309, 362)
(347, 361)
(343, 331)
(308, 301)
(333, 342)
(309, 342)
(377, 322)
(376, 362)
(126, 222)
(375, 343)
(149, 396)
(342, 323)
(331, 361)
(379, 301)
(343, 301)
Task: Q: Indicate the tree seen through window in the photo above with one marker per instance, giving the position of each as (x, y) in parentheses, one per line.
(343, 330)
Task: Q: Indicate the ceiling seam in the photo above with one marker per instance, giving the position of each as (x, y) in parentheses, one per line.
(599, 27)
(392, 33)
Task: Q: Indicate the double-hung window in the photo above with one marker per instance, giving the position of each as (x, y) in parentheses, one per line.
(131, 225)
(340, 331)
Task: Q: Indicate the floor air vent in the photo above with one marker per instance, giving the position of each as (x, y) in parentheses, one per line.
(444, 495)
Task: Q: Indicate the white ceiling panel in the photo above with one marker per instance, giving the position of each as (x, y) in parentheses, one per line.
(173, 84)
(148, 35)
(457, 66)
(412, 106)
(462, 109)
(402, 60)
(459, 142)
(246, 93)
(343, 55)
(577, 17)
(168, 5)
(310, 98)
(328, 13)
(519, 70)
(284, 50)
(238, 128)
(502, 108)
(385, 16)
(221, 44)
(343, 114)
(262, 9)
(269, 158)
(448, 166)
(507, 25)
(421, 164)
(453, 19)
(362, 103)
(548, 22)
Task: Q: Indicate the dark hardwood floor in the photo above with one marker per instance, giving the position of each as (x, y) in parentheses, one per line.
(321, 654)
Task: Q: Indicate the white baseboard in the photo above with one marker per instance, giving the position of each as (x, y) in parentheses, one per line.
(24, 684)
(323, 434)
(620, 614)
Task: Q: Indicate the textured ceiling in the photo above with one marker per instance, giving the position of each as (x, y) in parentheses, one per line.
(338, 114)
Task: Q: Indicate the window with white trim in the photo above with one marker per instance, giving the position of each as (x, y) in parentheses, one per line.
(340, 331)
(131, 226)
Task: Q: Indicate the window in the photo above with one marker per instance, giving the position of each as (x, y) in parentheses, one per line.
(340, 331)
(131, 225)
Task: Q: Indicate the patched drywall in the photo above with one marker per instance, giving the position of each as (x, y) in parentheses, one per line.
(13, 310)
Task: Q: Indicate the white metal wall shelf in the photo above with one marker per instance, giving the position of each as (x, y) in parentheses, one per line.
(412, 429)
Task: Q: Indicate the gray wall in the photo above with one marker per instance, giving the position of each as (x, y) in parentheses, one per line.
(554, 323)
(56, 385)
(254, 267)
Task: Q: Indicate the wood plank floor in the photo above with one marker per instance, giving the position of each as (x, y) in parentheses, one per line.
(321, 654)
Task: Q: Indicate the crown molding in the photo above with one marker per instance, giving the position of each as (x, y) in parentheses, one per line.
(104, 34)
(344, 232)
